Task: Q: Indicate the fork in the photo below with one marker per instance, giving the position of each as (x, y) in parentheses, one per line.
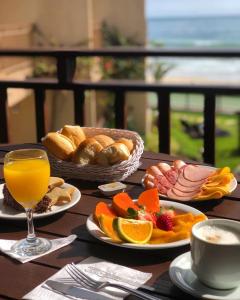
(96, 285)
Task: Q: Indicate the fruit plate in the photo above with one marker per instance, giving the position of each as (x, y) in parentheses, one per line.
(232, 187)
(13, 214)
(95, 231)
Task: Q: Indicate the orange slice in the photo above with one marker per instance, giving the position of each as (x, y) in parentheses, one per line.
(134, 231)
(106, 224)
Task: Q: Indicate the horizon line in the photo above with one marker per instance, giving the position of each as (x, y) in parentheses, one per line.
(191, 16)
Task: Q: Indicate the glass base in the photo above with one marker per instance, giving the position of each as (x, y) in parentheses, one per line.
(31, 248)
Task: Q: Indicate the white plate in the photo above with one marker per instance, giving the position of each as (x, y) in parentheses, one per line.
(232, 187)
(11, 213)
(183, 277)
(95, 231)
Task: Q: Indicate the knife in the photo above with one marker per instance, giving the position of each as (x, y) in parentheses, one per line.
(69, 290)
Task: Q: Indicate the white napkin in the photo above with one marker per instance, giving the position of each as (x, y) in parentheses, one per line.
(5, 247)
(97, 269)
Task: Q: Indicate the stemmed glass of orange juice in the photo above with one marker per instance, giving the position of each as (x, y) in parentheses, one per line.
(27, 173)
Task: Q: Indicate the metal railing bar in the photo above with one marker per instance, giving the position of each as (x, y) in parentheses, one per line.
(3, 118)
(39, 113)
(209, 128)
(66, 66)
(120, 109)
(121, 84)
(164, 134)
(79, 100)
(124, 52)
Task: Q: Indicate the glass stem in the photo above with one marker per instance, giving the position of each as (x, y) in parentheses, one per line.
(31, 237)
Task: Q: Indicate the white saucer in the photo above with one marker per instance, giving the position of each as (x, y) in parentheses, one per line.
(183, 277)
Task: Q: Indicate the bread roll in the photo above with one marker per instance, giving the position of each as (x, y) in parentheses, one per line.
(59, 145)
(113, 154)
(127, 142)
(58, 196)
(104, 140)
(55, 182)
(74, 133)
(86, 152)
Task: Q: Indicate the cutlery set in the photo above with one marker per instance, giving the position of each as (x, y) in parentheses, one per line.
(87, 287)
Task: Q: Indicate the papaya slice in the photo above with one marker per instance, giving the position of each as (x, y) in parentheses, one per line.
(121, 203)
(103, 208)
(149, 199)
(160, 236)
(199, 218)
(188, 217)
(106, 224)
(181, 235)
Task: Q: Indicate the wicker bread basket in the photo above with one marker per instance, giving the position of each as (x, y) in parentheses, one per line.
(115, 172)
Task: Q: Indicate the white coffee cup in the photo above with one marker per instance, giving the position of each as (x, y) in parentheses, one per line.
(216, 263)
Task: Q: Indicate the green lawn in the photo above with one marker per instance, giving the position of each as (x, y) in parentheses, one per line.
(182, 144)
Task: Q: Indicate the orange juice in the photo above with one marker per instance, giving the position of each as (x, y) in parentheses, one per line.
(27, 180)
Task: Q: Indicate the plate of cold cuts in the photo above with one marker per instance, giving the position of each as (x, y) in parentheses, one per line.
(189, 182)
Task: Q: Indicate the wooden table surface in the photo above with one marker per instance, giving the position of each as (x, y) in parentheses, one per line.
(18, 279)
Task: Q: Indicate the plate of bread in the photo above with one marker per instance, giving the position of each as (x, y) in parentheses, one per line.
(99, 154)
(60, 197)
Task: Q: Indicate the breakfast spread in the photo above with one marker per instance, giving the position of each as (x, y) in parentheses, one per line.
(72, 144)
(56, 195)
(186, 182)
(144, 220)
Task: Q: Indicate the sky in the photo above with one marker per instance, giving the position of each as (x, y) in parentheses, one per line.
(165, 8)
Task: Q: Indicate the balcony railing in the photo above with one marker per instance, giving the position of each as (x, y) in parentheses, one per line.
(66, 64)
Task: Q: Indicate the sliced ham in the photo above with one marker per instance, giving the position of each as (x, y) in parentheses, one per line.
(148, 181)
(187, 183)
(170, 173)
(154, 171)
(163, 181)
(150, 177)
(187, 189)
(196, 173)
(172, 176)
(185, 193)
(163, 167)
(161, 188)
(162, 184)
(178, 164)
(181, 181)
(172, 195)
(149, 185)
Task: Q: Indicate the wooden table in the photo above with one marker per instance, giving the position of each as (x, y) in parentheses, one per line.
(18, 279)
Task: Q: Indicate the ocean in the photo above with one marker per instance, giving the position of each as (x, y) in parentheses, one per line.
(191, 32)
(223, 31)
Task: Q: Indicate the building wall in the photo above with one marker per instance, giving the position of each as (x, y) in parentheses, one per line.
(67, 26)
(22, 125)
(64, 21)
(18, 11)
(128, 17)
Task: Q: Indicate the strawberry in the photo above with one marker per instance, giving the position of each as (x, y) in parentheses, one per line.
(165, 222)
